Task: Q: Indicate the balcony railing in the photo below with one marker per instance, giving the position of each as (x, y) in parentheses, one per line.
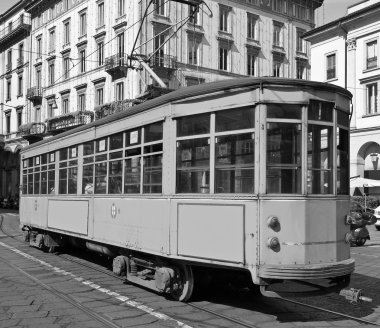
(12, 135)
(20, 61)
(118, 62)
(164, 61)
(8, 67)
(114, 107)
(32, 130)
(34, 94)
(15, 29)
(69, 121)
(372, 62)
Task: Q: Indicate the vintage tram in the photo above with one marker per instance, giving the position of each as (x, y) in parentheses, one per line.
(247, 175)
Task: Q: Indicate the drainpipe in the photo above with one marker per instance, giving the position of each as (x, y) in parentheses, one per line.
(345, 54)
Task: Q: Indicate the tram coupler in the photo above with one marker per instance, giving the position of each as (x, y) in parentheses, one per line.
(354, 296)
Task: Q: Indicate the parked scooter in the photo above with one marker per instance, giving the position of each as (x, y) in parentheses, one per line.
(358, 220)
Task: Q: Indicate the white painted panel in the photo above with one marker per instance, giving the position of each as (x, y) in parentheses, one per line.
(68, 215)
(211, 231)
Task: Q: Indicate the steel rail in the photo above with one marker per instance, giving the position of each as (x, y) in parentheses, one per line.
(61, 295)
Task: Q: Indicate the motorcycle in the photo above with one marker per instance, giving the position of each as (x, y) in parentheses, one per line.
(358, 220)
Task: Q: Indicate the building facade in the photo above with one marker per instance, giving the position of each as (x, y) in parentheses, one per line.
(347, 49)
(91, 58)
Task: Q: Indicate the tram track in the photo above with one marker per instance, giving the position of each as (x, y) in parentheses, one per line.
(72, 259)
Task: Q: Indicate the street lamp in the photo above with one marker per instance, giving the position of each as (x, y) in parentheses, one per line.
(374, 157)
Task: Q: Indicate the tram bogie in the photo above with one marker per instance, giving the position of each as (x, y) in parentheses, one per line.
(248, 176)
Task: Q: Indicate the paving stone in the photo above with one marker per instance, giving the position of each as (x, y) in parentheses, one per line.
(24, 315)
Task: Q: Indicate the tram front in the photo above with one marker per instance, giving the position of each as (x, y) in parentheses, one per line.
(304, 184)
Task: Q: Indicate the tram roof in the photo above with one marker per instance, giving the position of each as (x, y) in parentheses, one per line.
(198, 90)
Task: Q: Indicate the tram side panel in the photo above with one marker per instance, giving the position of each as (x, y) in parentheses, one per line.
(33, 211)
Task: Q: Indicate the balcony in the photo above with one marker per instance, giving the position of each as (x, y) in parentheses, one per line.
(20, 61)
(117, 65)
(8, 67)
(105, 110)
(68, 121)
(32, 132)
(163, 61)
(34, 94)
(15, 30)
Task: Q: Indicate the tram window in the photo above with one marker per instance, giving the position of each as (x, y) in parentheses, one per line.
(234, 163)
(287, 111)
(133, 152)
(44, 159)
(342, 162)
(153, 132)
(343, 118)
(116, 154)
(36, 183)
(132, 172)
(193, 166)
(152, 180)
(63, 154)
(319, 159)
(115, 177)
(284, 158)
(68, 171)
(30, 183)
(132, 137)
(62, 181)
(101, 145)
(73, 152)
(51, 173)
(88, 179)
(72, 174)
(235, 119)
(44, 182)
(153, 148)
(193, 125)
(88, 148)
(116, 141)
(51, 157)
(30, 162)
(320, 111)
(24, 182)
(100, 178)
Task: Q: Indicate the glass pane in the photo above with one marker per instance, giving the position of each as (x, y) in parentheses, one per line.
(30, 184)
(152, 174)
(51, 182)
(73, 152)
(88, 180)
(63, 154)
(62, 181)
(132, 137)
(100, 178)
(153, 132)
(234, 164)
(343, 118)
(88, 148)
(100, 158)
(153, 148)
(192, 125)
(44, 159)
(101, 145)
(116, 141)
(51, 158)
(342, 162)
(24, 184)
(320, 111)
(116, 154)
(115, 177)
(235, 119)
(319, 159)
(36, 183)
(132, 176)
(284, 111)
(193, 166)
(284, 180)
(72, 180)
(44, 183)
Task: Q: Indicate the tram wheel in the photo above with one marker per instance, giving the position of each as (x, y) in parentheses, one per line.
(360, 241)
(183, 283)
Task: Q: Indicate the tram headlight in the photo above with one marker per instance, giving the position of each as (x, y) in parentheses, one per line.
(274, 223)
(348, 219)
(273, 243)
(348, 238)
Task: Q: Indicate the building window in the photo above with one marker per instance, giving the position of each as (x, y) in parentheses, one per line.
(9, 89)
(372, 54)
(99, 96)
(277, 66)
(51, 70)
(82, 24)
(223, 57)
(251, 26)
(21, 53)
(66, 67)
(251, 63)
(39, 46)
(50, 112)
(65, 105)
(372, 98)
(331, 67)
(300, 67)
(224, 12)
(100, 53)
(52, 44)
(19, 118)
(82, 57)
(119, 91)
(159, 7)
(20, 86)
(193, 51)
(120, 8)
(82, 102)
(8, 123)
(191, 80)
(300, 43)
(66, 29)
(37, 114)
(301, 10)
(100, 14)
(277, 34)
(194, 15)
(38, 77)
